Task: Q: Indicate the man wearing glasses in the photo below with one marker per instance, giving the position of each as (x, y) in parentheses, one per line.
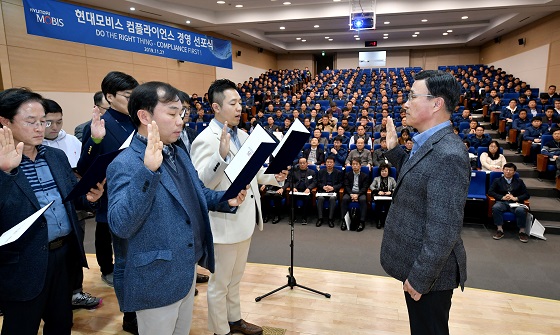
(106, 134)
(422, 245)
(56, 137)
(100, 102)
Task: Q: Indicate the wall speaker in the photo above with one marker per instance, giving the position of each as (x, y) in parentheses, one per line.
(238, 53)
(521, 41)
(260, 50)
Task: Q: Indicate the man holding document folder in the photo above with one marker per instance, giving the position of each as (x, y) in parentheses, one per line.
(35, 280)
(211, 153)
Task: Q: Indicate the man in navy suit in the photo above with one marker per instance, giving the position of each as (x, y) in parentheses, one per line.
(422, 245)
(106, 134)
(35, 280)
(158, 215)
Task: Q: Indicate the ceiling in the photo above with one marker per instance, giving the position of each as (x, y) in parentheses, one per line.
(258, 22)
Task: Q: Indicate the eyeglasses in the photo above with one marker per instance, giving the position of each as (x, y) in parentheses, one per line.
(103, 108)
(413, 96)
(37, 124)
(48, 124)
(127, 97)
(185, 111)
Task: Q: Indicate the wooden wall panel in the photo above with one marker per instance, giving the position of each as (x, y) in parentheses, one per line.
(48, 71)
(109, 54)
(98, 68)
(16, 35)
(187, 81)
(148, 60)
(2, 30)
(5, 68)
(144, 73)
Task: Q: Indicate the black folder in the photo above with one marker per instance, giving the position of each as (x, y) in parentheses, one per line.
(95, 174)
(289, 148)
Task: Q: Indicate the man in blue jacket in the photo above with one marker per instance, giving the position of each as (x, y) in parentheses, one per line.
(158, 215)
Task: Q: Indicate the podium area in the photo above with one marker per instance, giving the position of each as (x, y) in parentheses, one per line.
(360, 305)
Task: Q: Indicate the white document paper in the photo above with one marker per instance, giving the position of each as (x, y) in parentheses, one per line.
(258, 136)
(331, 194)
(296, 126)
(15, 232)
(347, 220)
(516, 204)
(301, 193)
(126, 143)
(382, 197)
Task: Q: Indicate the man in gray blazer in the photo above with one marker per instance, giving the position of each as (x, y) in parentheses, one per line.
(422, 245)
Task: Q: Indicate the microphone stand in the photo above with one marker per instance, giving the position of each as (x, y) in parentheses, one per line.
(291, 279)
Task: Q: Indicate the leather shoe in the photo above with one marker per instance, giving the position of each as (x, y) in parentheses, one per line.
(343, 226)
(195, 291)
(265, 219)
(200, 278)
(378, 225)
(360, 226)
(304, 221)
(130, 326)
(331, 223)
(319, 223)
(276, 219)
(245, 327)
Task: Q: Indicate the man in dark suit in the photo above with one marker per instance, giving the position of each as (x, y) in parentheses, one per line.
(506, 190)
(314, 154)
(304, 180)
(422, 245)
(356, 184)
(158, 209)
(329, 180)
(36, 268)
(106, 134)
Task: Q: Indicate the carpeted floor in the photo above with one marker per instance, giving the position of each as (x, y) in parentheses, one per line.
(506, 265)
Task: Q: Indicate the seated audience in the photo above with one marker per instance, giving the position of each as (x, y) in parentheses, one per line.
(382, 185)
(329, 180)
(314, 154)
(304, 180)
(338, 152)
(492, 160)
(479, 138)
(379, 154)
(355, 189)
(361, 134)
(271, 201)
(552, 147)
(508, 190)
(405, 135)
(360, 153)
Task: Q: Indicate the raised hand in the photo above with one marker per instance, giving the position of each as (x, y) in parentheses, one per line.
(154, 149)
(224, 141)
(97, 125)
(95, 193)
(10, 154)
(392, 140)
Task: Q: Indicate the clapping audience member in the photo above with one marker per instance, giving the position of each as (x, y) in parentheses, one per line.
(382, 185)
(492, 160)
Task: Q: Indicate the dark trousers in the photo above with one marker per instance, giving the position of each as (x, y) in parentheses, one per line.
(53, 305)
(332, 205)
(304, 203)
(273, 209)
(430, 314)
(381, 209)
(362, 200)
(104, 248)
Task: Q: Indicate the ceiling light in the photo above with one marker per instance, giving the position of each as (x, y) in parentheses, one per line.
(417, 33)
(282, 28)
(385, 34)
(357, 38)
(287, 3)
(239, 6)
(132, 8)
(386, 22)
(326, 37)
(298, 38)
(445, 34)
(188, 22)
(316, 26)
(450, 31)
(336, 0)
(304, 40)
(385, 37)
(414, 35)
(330, 39)
(464, 17)
(220, 2)
(424, 20)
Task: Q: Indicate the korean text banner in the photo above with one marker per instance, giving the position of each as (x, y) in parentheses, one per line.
(84, 25)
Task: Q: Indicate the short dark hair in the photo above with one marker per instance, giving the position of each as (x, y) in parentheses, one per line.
(97, 98)
(148, 95)
(357, 160)
(217, 89)
(12, 98)
(116, 81)
(383, 166)
(510, 165)
(51, 106)
(184, 97)
(330, 157)
(441, 84)
(536, 118)
(337, 138)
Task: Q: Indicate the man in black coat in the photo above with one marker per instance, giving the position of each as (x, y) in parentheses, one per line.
(329, 180)
(356, 184)
(304, 180)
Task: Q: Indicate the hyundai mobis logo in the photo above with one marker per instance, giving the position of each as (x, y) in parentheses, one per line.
(45, 17)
